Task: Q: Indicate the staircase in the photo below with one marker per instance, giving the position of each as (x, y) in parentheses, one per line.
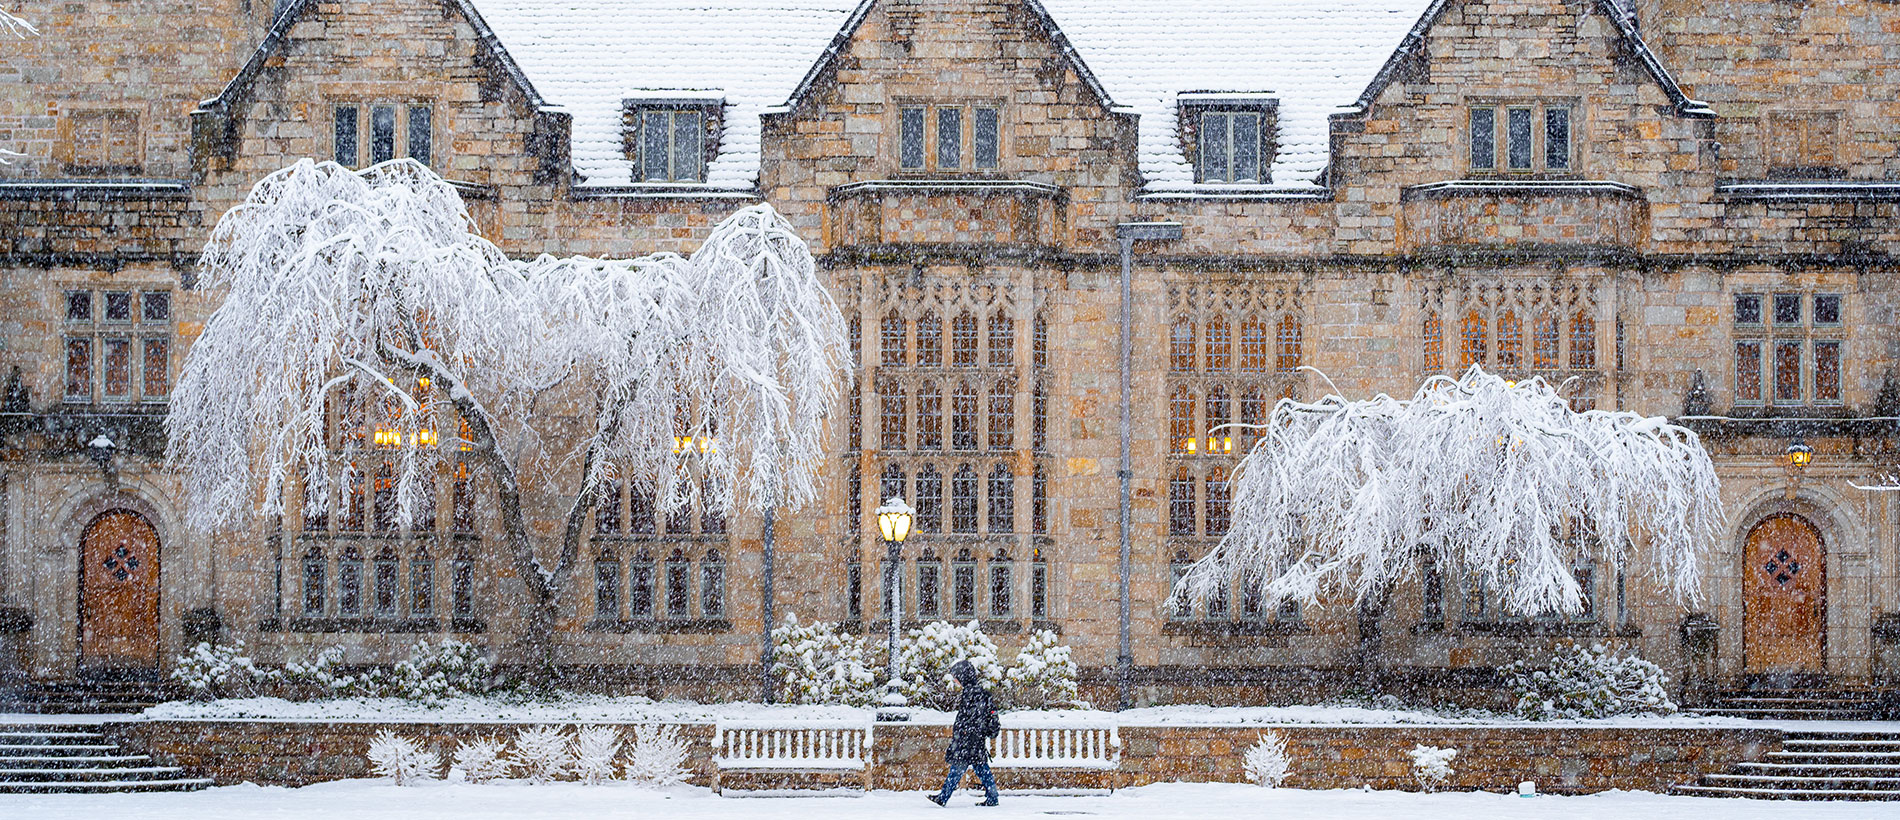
(1821, 765)
(83, 697)
(67, 758)
(1796, 704)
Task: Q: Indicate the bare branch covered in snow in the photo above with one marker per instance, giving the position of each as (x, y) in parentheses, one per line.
(10, 24)
(1481, 476)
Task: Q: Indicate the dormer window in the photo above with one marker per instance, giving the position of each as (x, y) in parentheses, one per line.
(1229, 137)
(671, 139)
(1520, 138)
(945, 137)
(366, 134)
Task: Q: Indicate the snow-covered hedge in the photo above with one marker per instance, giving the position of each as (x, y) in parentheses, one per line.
(433, 673)
(1593, 682)
(816, 663)
(924, 661)
(1043, 676)
(212, 671)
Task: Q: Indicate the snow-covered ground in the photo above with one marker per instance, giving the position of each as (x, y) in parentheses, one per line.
(592, 709)
(1200, 801)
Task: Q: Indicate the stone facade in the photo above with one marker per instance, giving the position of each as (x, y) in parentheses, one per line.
(1623, 260)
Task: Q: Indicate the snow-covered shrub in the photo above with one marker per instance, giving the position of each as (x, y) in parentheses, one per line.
(595, 748)
(657, 756)
(543, 753)
(816, 663)
(481, 760)
(220, 671)
(1043, 676)
(402, 760)
(1593, 682)
(1267, 762)
(1431, 766)
(321, 676)
(435, 672)
(924, 661)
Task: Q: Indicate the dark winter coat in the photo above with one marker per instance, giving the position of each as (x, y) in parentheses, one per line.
(976, 718)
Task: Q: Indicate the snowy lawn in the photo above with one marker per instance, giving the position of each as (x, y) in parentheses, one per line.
(440, 801)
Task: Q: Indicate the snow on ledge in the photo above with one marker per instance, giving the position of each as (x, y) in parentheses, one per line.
(596, 709)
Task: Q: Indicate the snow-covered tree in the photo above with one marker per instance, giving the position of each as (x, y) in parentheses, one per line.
(1043, 675)
(817, 663)
(1431, 766)
(657, 757)
(1479, 476)
(1266, 762)
(595, 750)
(10, 24)
(925, 659)
(482, 760)
(364, 300)
(404, 761)
(543, 753)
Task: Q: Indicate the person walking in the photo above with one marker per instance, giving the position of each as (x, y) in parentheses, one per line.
(976, 722)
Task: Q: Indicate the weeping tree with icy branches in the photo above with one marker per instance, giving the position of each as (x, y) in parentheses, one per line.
(364, 300)
(1479, 477)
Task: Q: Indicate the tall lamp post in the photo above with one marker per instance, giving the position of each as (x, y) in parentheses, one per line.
(893, 522)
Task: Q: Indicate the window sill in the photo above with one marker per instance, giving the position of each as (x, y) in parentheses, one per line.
(662, 190)
(1529, 185)
(664, 626)
(1235, 628)
(927, 183)
(1809, 190)
(386, 626)
(1585, 629)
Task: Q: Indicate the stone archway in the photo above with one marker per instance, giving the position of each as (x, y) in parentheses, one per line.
(118, 594)
(1784, 597)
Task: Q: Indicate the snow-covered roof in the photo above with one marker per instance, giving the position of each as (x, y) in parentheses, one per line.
(1314, 58)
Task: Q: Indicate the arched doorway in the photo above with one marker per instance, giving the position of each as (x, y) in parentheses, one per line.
(118, 594)
(1784, 597)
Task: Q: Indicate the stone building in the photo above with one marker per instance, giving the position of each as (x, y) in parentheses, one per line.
(1683, 209)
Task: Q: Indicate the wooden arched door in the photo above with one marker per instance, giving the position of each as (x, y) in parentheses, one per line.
(118, 594)
(1784, 589)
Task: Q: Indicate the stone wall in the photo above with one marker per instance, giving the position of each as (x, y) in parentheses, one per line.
(911, 756)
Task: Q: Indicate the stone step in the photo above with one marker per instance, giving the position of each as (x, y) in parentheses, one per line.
(1785, 794)
(49, 736)
(127, 773)
(1814, 769)
(10, 761)
(1832, 757)
(1790, 714)
(58, 749)
(1829, 782)
(180, 784)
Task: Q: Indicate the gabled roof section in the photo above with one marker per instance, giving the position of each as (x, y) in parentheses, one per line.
(280, 28)
(1623, 18)
(850, 30)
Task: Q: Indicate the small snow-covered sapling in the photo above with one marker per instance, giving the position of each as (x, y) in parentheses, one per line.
(1267, 762)
(595, 748)
(657, 756)
(1431, 765)
(543, 753)
(481, 760)
(401, 759)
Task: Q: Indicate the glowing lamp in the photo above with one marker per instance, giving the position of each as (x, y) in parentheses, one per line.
(1799, 454)
(894, 519)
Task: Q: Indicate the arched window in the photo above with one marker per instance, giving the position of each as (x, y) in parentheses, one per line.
(1220, 346)
(1219, 502)
(1220, 438)
(1183, 609)
(606, 585)
(316, 508)
(1039, 418)
(461, 501)
(462, 585)
(1039, 587)
(1254, 408)
(963, 417)
(1002, 340)
(891, 412)
(1583, 342)
(421, 582)
(892, 339)
(425, 501)
(640, 586)
(712, 507)
(1544, 343)
(349, 582)
(963, 584)
(1510, 341)
(353, 512)
(929, 416)
(1181, 419)
(1002, 584)
(1434, 337)
(854, 498)
(963, 489)
(929, 340)
(1181, 503)
(641, 506)
(1181, 346)
(929, 500)
(891, 484)
(1002, 415)
(1039, 502)
(1253, 347)
(963, 341)
(929, 585)
(712, 585)
(1471, 341)
(679, 589)
(1002, 500)
(854, 333)
(1287, 343)
(854, 414)
(385, 580)
(607, 508)
(315, 580)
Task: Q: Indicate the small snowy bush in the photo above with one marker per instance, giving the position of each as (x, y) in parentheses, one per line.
(818, 664)
(1431, 766)
(321, 676)
(1579, 682)
(595, 748)
(481, 760)
(925, 660)
(657, 756)
(1043, 676)
(436, 672)
(402, 760)
(1267, 761)
(220, 671)
(543, 753)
